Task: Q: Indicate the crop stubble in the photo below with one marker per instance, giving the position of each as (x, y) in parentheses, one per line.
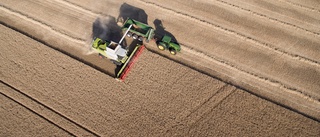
(17, 119)
(150, 102)
(158, 96)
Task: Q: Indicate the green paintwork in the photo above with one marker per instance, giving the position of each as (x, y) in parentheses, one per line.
(139, 28)
(100, 46)
(166, 41)
(125, 64)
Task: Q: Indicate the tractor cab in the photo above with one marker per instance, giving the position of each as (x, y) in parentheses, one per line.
(166, 39)
(166, 43)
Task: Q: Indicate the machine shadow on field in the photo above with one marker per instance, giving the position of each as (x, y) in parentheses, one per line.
(128, 11)
(160, 31)
(106, 28)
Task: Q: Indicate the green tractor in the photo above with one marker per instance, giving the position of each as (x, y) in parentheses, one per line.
(141, 31)
(166, 43)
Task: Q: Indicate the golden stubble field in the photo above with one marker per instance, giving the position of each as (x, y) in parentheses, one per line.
(50, 86)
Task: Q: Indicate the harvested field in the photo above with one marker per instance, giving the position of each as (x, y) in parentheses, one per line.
(244, 69)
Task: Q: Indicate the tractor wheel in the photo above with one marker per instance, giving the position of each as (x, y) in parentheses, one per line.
(135, 36)
(161, 47)
(173, 51)
(129, 34)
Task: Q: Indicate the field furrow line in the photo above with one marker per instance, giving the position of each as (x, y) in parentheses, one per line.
(81, 8)
(42, 24)
(76, 57)
(226, 63)
(301, 6)
(269, 18)
(187, 48)
(196, 53)
(209, 105)
(237, 34)
(208, 99)
(36, 113)
(45, 112)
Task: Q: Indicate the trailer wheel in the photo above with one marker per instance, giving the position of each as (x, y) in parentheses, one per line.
(135, 36)
(173, 51)
(129, 34)
(140, 38)
(161, 47)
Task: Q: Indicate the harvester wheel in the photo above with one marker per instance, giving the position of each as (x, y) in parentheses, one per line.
(173, 51)
(135, 36)
(161, 47)
(116, 62)
(129, 34)
(101, 56)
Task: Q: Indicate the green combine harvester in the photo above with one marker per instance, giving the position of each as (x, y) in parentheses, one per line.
(117, 54)
(124, 58)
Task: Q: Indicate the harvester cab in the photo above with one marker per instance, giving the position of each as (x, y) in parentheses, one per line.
(112, 50)
(124, 58)
(116, 52)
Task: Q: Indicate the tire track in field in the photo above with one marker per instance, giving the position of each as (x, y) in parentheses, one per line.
(191, 51)
(59, 50)
(187, 48)
(301, 6)
(216, 98)
(36, 113)
(42, 24)
(228, 65)
(237, 34)
(38, 108)
(223, 62)
(209, 105)
(81, 8)
(269, 18)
